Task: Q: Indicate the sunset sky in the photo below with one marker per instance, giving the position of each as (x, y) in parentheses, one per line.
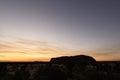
(37, 30)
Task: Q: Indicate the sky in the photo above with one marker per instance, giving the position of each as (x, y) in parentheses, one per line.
(37, 30)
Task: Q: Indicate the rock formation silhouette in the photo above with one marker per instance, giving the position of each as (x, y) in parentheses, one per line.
(70, 61)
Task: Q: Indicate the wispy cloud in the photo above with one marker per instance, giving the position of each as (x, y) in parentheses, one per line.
(2, 56)
(20, 49)
(32, 48)
(108, 52)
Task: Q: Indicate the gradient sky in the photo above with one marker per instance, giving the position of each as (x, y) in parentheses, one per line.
(33, 30)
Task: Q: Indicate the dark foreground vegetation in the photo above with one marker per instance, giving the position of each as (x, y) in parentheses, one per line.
(63, 68)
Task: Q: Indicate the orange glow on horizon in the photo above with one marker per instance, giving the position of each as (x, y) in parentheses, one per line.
(29, 50)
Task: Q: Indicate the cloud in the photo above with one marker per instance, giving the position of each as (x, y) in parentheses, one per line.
(2, 56)
(30, 49)
(24, 49)
(108, 52)
(5, 45)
